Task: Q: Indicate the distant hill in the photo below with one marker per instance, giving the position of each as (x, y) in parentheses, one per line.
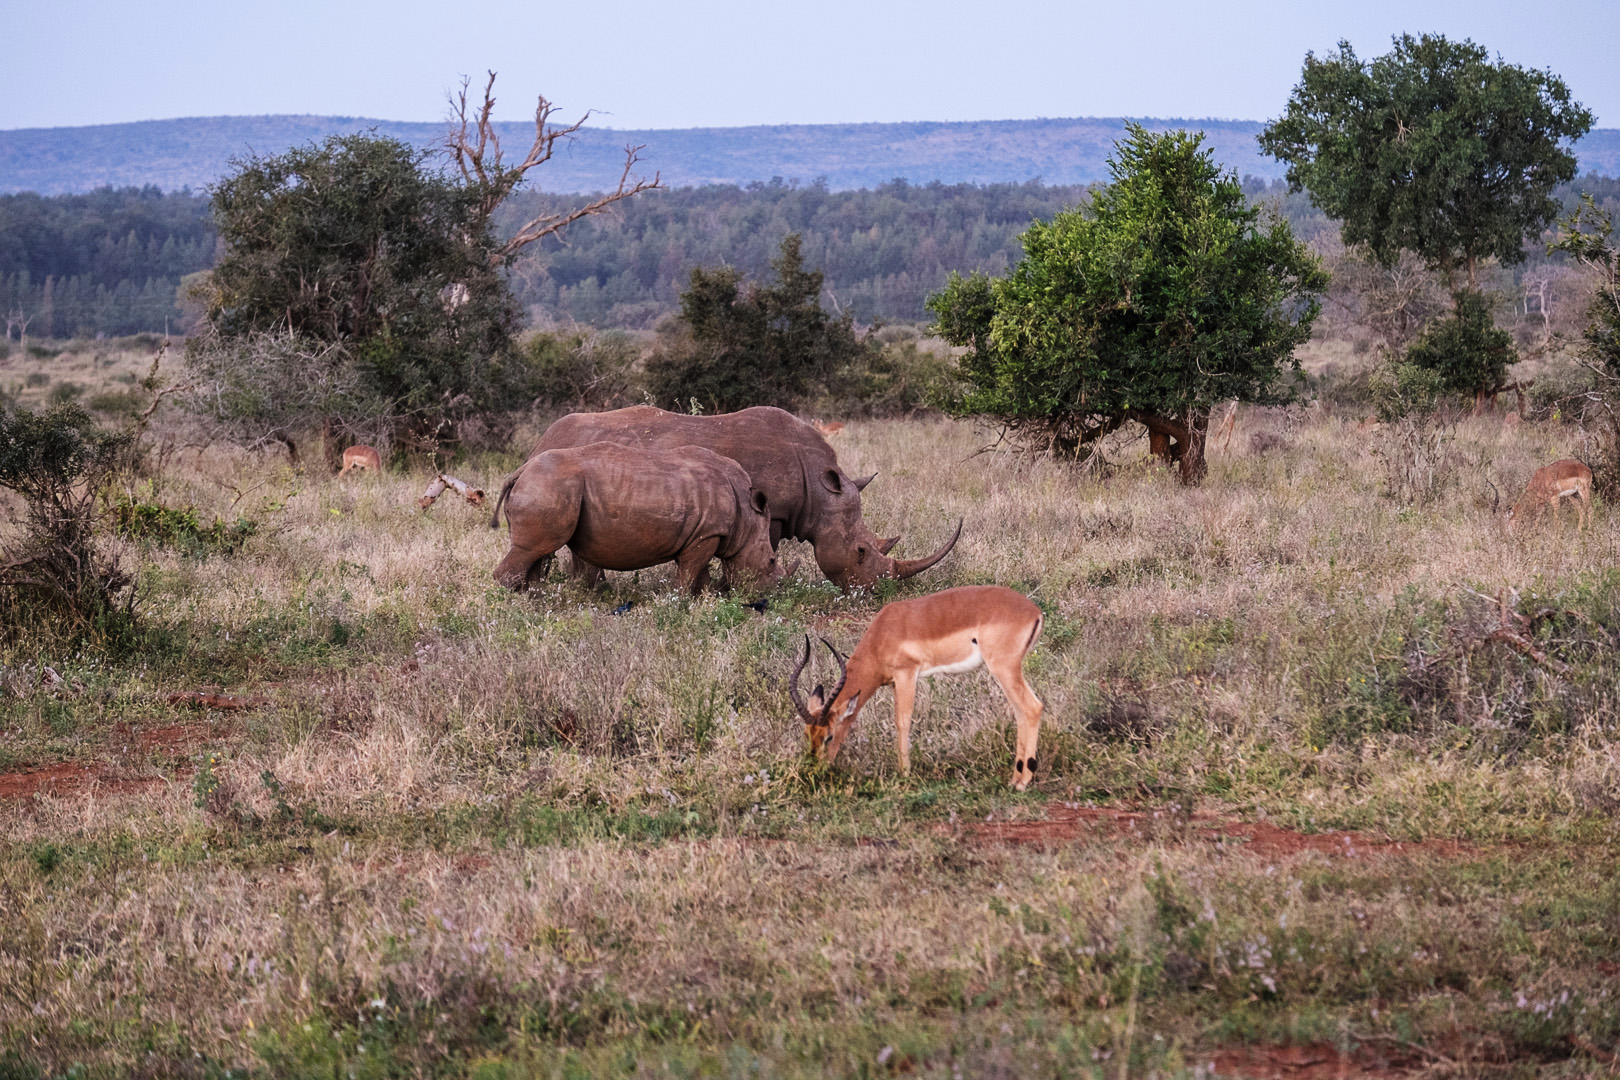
(176, 154)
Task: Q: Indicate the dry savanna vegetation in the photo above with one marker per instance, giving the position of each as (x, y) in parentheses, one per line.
(1329, 782)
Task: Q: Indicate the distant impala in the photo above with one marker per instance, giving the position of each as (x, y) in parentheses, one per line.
(942, 634)
(1549, 486)
(361, 457)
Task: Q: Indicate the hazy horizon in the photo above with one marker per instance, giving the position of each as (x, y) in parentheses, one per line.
(728, 64)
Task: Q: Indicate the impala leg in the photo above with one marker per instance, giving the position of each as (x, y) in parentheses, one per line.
(694, 564)
(1027, 710)
(905, 696)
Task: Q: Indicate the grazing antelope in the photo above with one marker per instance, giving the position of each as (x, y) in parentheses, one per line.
(942, 634)
(1548, 486)
(361, 457)
(828, 428)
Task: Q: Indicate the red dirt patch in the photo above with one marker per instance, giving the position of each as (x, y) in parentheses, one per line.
(67, 778)
(1318, 1061)
(1069, 822)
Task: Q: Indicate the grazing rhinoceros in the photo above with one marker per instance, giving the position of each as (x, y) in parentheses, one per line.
(621, 508)
(810, 497)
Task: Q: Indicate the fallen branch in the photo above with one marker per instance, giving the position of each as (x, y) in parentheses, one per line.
(433, 491)
(442, 483)
(1512, 638)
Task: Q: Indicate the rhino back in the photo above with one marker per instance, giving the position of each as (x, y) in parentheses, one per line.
(783, 456)
(644, 507)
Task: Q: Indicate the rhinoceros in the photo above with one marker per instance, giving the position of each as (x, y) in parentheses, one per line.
(622, 508)
(810, 497)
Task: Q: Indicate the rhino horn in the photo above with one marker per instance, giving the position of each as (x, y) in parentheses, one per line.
(860, 482)
(904, 568)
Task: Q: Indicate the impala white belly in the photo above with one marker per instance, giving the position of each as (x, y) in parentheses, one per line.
(968, 663)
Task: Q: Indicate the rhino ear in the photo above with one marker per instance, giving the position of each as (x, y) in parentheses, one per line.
(757, 498)
(833, 482)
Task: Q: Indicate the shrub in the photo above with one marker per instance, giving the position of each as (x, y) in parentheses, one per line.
(180, 528)
(1465, 349)
(737, 344)
(580, 369)
(54, 580)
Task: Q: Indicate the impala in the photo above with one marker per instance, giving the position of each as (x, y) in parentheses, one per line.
(361, 457)
(1549, 486)
(942, 634)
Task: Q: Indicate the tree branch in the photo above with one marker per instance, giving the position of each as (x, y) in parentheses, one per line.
(475, 147)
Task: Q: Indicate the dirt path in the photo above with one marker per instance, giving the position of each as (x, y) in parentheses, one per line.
(1067, 822)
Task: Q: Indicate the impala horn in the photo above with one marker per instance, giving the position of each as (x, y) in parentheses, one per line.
(904, 568)
(793, 685)
(843, 673)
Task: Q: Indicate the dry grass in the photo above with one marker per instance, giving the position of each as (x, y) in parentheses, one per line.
(467, 830)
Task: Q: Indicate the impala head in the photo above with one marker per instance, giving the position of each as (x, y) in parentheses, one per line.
(825, 732)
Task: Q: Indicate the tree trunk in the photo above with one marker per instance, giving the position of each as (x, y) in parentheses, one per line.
(1193, 466)
(333, 444)
(1159, 446)
(1178, 442)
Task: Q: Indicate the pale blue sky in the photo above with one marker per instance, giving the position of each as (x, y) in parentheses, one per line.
(724, 63)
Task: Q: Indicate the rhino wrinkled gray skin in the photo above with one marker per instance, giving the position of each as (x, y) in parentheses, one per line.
(622, 508)
(810, 497)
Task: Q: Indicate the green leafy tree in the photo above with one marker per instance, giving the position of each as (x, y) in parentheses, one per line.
(1586, 235)
(737, 344)
(1465, 349)
(354, 258)
(1167, 294)
(1432, 148)
(361, 287)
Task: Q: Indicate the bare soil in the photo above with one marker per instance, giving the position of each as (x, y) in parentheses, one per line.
(1316, 1061)
(1066, 823)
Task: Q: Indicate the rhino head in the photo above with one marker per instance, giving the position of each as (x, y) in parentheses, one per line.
(752, 561)
(847, 550)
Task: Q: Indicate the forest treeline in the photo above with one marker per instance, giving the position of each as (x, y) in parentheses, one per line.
(107, 262)
(111, 262)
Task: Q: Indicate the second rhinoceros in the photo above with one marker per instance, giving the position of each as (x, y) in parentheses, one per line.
(810, 497)
(620, 508)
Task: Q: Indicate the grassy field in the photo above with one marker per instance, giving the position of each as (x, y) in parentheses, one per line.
(1304, 810)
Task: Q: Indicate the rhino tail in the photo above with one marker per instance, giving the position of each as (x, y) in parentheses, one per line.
(500, 500)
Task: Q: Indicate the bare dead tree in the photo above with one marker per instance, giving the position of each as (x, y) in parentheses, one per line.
(19, 320)
(475, 147)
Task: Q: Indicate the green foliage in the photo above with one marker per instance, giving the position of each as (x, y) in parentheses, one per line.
(103, 262)
(1431, 148)
(355, 281)
(1165, 295)
(179, 527)
(580, 369)
(738, 344)
(1465, 349)
(55, 582)
(1585, 235)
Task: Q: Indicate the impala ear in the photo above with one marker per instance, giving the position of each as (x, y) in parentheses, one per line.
(854, 703)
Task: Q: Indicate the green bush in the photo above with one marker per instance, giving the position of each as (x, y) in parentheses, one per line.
(1465, 349)
(180, 528)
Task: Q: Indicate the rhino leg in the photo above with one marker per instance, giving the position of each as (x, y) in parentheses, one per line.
(584, 571)
(541, 570)
(694, 564)
(522, 566)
